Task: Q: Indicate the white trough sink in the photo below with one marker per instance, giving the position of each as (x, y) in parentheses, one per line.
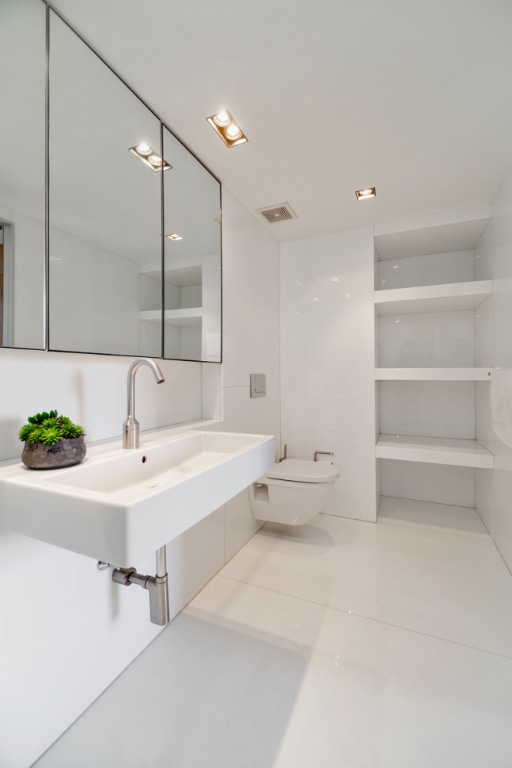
(122, 505)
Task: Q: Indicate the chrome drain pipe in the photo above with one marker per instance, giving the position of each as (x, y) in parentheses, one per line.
(157, 586)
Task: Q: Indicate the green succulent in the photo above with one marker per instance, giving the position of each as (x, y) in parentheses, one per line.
(49, 428)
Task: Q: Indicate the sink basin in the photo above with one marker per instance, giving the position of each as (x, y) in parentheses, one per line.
(121, 505)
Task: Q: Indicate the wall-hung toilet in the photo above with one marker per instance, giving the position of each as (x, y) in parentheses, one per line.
(293, 492)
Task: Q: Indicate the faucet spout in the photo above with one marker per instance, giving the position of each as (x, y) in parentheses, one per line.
(131, 426)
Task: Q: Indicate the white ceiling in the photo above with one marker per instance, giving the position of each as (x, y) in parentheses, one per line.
(410, 96)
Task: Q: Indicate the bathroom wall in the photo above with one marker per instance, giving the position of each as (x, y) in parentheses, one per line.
(328, 358)
(494, 326)
(67, 631)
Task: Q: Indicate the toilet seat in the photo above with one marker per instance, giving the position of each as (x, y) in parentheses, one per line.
(293, 491)
(302, 471)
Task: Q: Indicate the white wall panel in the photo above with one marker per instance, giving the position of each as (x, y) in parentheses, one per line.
(250, 297)
(433, 269)
(439, 483)
(441, 339)
(240, 524)
(493, 337)
(327, 360)
(431, 408)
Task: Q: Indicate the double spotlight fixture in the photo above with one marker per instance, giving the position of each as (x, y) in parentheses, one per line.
(151, 158)
(225, 125)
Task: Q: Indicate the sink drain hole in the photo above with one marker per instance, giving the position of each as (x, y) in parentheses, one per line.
(144, 459)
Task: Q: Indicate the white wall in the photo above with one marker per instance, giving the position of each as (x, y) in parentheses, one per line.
(494, 348)
(250, 342)
(67, 630)
(327, 360)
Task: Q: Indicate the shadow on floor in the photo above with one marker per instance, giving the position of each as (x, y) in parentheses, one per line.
(200, 696)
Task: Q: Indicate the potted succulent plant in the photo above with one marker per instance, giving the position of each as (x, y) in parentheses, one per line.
(52, 441)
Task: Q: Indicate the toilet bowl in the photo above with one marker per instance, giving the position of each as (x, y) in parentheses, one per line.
(293, 492)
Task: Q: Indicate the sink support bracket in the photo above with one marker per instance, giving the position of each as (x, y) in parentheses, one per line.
(157, 586)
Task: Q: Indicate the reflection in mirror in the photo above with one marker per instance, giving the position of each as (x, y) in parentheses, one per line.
(105, 220)
(22, 173)
(192, 257)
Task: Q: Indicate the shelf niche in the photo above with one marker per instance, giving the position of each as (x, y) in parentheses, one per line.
(429, 290)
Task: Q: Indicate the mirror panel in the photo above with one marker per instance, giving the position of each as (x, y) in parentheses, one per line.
(104, 287)
(22, 174)
(192, 263)
(105, 207)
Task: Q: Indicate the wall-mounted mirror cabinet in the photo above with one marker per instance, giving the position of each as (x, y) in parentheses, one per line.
(22, 174)
(116, 283)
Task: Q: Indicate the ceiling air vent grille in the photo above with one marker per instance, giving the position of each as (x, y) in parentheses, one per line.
(281, 212)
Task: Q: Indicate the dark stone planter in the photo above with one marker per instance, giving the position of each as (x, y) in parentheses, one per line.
(67, 452)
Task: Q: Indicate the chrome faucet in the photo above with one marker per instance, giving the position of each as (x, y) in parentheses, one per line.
(131, 425)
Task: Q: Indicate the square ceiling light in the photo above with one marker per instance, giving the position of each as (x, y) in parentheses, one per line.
(224, 124)
(364, 194)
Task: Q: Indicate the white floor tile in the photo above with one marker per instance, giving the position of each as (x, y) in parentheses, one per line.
(247, 678)
(340, 644)
(448, 586)
(374, 695)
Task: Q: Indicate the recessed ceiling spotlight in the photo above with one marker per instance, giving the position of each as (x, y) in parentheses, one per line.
(174, 236)
(364, 194)
(233, 132)
(148, 156)
(227, 128)
(222, 118)
(143, 149)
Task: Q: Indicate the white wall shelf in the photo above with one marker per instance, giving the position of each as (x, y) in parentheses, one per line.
(433, 374)
(434, 450)
(432, 298)
(179, 317)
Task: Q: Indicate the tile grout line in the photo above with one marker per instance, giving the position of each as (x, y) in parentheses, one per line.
(367, 618)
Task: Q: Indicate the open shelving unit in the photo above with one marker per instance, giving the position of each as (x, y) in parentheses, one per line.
(419, 324)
